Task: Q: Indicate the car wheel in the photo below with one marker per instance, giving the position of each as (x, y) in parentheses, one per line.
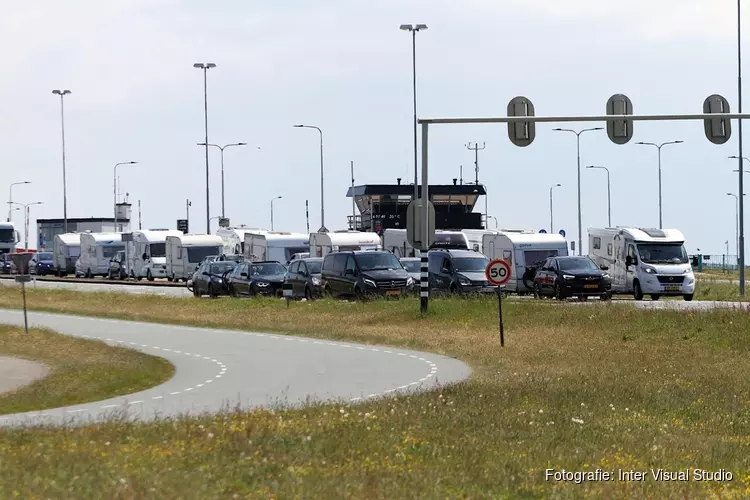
(637, 292)
(558, 292)
(308, 294)
(688, 297)
(453, 288)
(196, 293)
(327, 292)
(655, 296)
(170, 279)
(88, 274)
(211, 291)
(149, 276)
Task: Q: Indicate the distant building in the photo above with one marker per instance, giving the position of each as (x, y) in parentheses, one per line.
(47, 229)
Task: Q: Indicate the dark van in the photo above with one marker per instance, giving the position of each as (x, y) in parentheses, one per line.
(364, 273)
(458, 271)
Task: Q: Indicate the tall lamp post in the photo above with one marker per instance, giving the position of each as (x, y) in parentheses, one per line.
(205, 67)
(221, 148)
(658, 147)
(26, 226)
(62, 94)
(551, 221)
(578, 149)
(322, 204)
(272, 200)
(736, 222)
(741, 190)
(10, 198)
(414, 29)
(115, 186)
(609, 194)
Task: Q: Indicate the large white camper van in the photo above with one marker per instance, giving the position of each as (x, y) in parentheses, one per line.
(97, 249)
(475, 238)
(9, 237)
(275, 246)
(66, 248)
(147, 254)
(186, 251)
(323, 243)
(644, 261)
(525, 251)
(394, 240)
(234, 238)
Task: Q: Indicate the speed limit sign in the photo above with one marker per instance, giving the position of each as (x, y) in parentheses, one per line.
(498, 272)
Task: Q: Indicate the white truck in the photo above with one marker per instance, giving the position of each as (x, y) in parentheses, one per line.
(9, 237)
(642, 261)
(277, 246)
(185, 252)
(323, 243)
(147, 254)
(97, 249)
(525, 251)
(234, 238)
(394, 240)
(66, 248)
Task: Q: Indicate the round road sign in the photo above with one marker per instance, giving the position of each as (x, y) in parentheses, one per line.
(498, 272)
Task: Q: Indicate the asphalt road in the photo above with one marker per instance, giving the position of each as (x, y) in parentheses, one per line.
(218, 369)
(167, 291)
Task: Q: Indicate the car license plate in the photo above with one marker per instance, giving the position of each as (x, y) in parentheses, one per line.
(591, 286)
(394, 292)
(672, 288)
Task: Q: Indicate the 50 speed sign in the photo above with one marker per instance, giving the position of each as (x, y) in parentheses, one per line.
(498, 272)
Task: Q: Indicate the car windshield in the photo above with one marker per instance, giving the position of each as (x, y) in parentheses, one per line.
(577, 264)
(313, 266)
(158, 249)
(661, 253)
(44, 256)
(412, 266)
(378, 262)
(110, 251)
(470, 264)
(269, 269)
(7, 236)
(222, 267)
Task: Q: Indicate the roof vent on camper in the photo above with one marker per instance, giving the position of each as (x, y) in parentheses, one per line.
(655, 233)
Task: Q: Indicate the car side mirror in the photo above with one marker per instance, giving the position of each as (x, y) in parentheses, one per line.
(628, 261)
(604, 268)
(205, 273)
(243, 274)
(145, 257)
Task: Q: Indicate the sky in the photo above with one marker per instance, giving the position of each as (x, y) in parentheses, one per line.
(345, 67)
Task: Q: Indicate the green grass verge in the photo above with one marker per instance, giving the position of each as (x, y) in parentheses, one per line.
(80, 370)
(578, 387)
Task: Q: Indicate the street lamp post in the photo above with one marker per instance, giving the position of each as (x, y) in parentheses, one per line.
(205, 67)
(221, 148)
(741, 190)
(10, 198)
(551, 221)
(609, 195)
(26, 226)
(62, 94)
(578, 149)
(322, 205)
(414, 29)
(736, 222)
(658, 147)
(272, 200)
(115, 186)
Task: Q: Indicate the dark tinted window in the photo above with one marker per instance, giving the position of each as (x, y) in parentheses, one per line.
(158, 249)
(266, 269)
(377, 261)
(111, 250)
(328, 262)
(412, 266)
(340, 262)
(7, 236)
(663, 253)
(313, 266)
(470, 264)
(222, 267)
(448, 240)
(576, 264)
(294, 268)
(197, 254)
(44, 256)
(434, 260)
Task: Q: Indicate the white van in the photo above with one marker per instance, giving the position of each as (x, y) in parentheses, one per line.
(394, 240)
(234, 238)
(186, 251)
(475, 238)
(66, 249)
(276, 246)
(97, 249)
(147, 254)
(644, 261)
(525, 251)
(323, 243)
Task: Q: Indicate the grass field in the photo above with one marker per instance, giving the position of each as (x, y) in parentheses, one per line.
(80, 370)
(727, 274)
(578, 387)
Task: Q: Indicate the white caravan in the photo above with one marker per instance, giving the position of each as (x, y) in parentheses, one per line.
(234, 238)
(8, 237)
(323, 243)
(644, 261)
(275, 246)
(525, 251)
(185, 252)
(147, 254)
(475, 238)
(394, 240)
(66, 248)
(97, 249)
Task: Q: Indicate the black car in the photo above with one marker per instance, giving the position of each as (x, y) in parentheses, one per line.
(209, 278)
(256, 278)
(458, 271)
(364, 273)
(42, 263)
(579, 276)
(117, 266)
(5, 263)
(303, 277)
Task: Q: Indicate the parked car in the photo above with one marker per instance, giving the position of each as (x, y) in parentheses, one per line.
(256, 278)
(458, 271)
(42, 263)
(364, 273)
(574, 276)
(5, 263)
(304, 277)
(117, 266)
(209, 278)
(297, 256)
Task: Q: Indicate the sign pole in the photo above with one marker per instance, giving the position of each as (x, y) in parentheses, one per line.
(500, 311)
(25, 317)
(498, 274)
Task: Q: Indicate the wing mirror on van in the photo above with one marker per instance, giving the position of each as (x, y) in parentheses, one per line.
(628, 261)
(604, 268)
(206, 273)
(145, 256)
(243, 274)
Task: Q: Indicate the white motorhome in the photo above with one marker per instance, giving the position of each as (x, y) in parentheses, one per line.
(9, 237)
(66, 248)
(234, 238)
(394, 240)
(276, 246)
(644, 261)
(525, 251)
(475, 238)
(186, 251)
(323, 243)
(97, 249)
(147, 254)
